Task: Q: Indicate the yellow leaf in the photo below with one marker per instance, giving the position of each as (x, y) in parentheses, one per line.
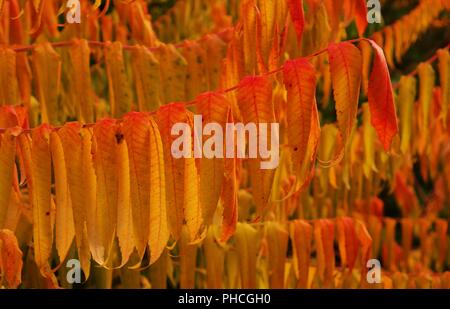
(196, 78)
(191, 204)
(173, 68)
(426, 85)
(137, 135)
(81, 79)
(65, 230)
(215, 258)
(167, 116)
(213, 107)
(159, 229)
(369, 143)
(124, 211)
(105, 141)
(70, 136)
(277, 238)
(47, 71)
(267, 14)
(248, 13)
(255, 103)
(215, 49)
(444, 77)
(120, 95)
(147, 78)
(389, 46)
(89, 187)
(406, 98)
(247, 249)
(40, 188)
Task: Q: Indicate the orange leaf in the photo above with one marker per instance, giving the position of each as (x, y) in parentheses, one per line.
(229, 194)
(347, 240)
(10, 258)
(105, 165)
(7, 157)
(324, 237)
(300, 83)
(255, 103)
(213, 107)
(345, 67)
(166, 117)
(301, 235)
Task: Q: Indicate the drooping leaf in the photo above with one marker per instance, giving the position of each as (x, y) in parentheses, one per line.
(70, 135)
(255, 103)
(166, 117)
(159, 226)
(324, 237)
(40, 188)
(215, 259)
(7, 164)
(147, 76)
(47, 71)
(89, 187)
(119, 90)
(173, 70)
(9, 90)
(124, 210)
(137, 136)
(297, 17)
(188, 257)
(381, 101)
(444, 77)
(301, 235)
(82, 83)
(213, 107)
(196, 78)
(426, 84)
(229, 196)
(248, 13)
(192, 207)
(246, 247)
(105, 165)
(266, 23)
(64, 224)
(10, 258)
(347, 240)
(300, 83)
(345, 66)
(361, 16)
(406, 99)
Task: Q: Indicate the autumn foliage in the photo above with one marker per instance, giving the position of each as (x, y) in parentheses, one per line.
(87, 173)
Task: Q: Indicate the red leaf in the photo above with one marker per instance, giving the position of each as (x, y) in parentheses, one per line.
(381, 101)
(298, 17)
(361, 16)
